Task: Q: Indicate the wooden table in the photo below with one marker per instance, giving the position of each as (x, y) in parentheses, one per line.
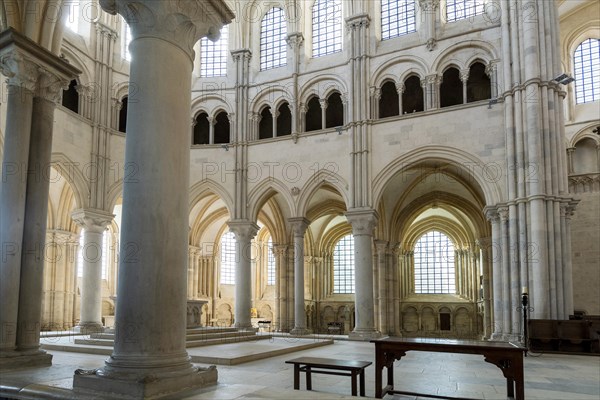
(349, 367)
(506, 356)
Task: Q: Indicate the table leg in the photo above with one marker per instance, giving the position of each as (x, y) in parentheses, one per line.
(296, 377)
(378, 373)
(510, 387)
(308, 379)
(519, 377)
(353, 383)
(390, 375)
(362, 382)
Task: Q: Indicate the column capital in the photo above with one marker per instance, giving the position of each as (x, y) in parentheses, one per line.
(295, 39)
(492, 214)
(381, 246)
(299, 225)
(363, 221)
(241, 55)
(91, 219)
(464, 74)
(429, 5)
(30, 66)
(182, 23)
(503, 213)
(358, 21)
(280, 249)
(21, 71)
(243, 230)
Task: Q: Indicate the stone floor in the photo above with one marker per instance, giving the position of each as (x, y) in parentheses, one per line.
(547, 376)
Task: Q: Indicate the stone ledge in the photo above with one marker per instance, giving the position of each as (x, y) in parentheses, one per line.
(41, 359)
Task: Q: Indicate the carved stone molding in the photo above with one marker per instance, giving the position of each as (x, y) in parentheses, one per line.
(295, 39)
(299, 225)
(21, 72)
(182, 23)
(92, 220)
(363, 221)
(243, 230)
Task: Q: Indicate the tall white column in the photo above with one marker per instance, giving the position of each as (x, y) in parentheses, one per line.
(22, 77)
(282, 298)
(497, 293)
(299, 226)
(382, 295)
(94, 223)
(149, 356)
(244, 232)
(35, 78)
(363, 222)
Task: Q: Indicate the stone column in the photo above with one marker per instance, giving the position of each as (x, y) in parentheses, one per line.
(149, 356)
(280, 251)
(497, 293)
(244, 232)
(94, 223)
(299, 226)
(22, 78)
(464, 77)
(324, 104)
(382, 295)
(35, 79)
(363, 222)
(400, 88)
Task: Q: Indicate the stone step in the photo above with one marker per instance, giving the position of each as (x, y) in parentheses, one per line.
(236, 338)
(206, 335)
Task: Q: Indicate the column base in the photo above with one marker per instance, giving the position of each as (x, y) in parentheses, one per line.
(89, 328)
(18, 360)
(89, 382)
(364, 334)
(300, 331)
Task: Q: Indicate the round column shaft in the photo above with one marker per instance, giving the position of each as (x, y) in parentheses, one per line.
(299, 226)
(244, 232)
(363, 222)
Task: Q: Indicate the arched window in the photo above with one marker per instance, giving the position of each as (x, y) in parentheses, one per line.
(462, 9)
(123, 115)
(126, 35)
(70, 97)
(397, 18)
(389, 100)
(434, 264)
(343, 265)
(412, 98)
(271, 266)
(585, 157)
(478, 85)
(334, 114)
(451, 89)
(72, 10)
(273, 35)
(201, 129)
(313, 115)
(228, 259)
(587, 71)
(265, 126)
(213, 55)
(284, 120)
(222, 128)
(327, 27)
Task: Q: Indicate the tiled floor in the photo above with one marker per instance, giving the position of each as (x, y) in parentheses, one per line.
(547, 376)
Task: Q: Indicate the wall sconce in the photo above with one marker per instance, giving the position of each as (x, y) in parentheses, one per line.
(339, 129)
(564, 79)
(492, 101)
(225, 146)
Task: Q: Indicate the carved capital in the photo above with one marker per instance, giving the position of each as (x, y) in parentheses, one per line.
(241, 55)
(357, 22)
(492, 215)
(464, 75)
(400, 88)
(92, 220)
(21, 72)
(503, 213)
(298, 226)
(363, 221)
(243, 230)
(381, 246)
(323, 103)
(50, 86)
(280, 249)
(429, 6)
(295, 39)
(431, 44)
(182, 23)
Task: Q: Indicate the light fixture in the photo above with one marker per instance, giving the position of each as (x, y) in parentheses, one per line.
(225, 146)
(564, 79)
(339, 129)
(492, 101)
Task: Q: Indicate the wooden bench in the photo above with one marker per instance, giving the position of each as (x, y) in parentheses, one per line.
(329, 366)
